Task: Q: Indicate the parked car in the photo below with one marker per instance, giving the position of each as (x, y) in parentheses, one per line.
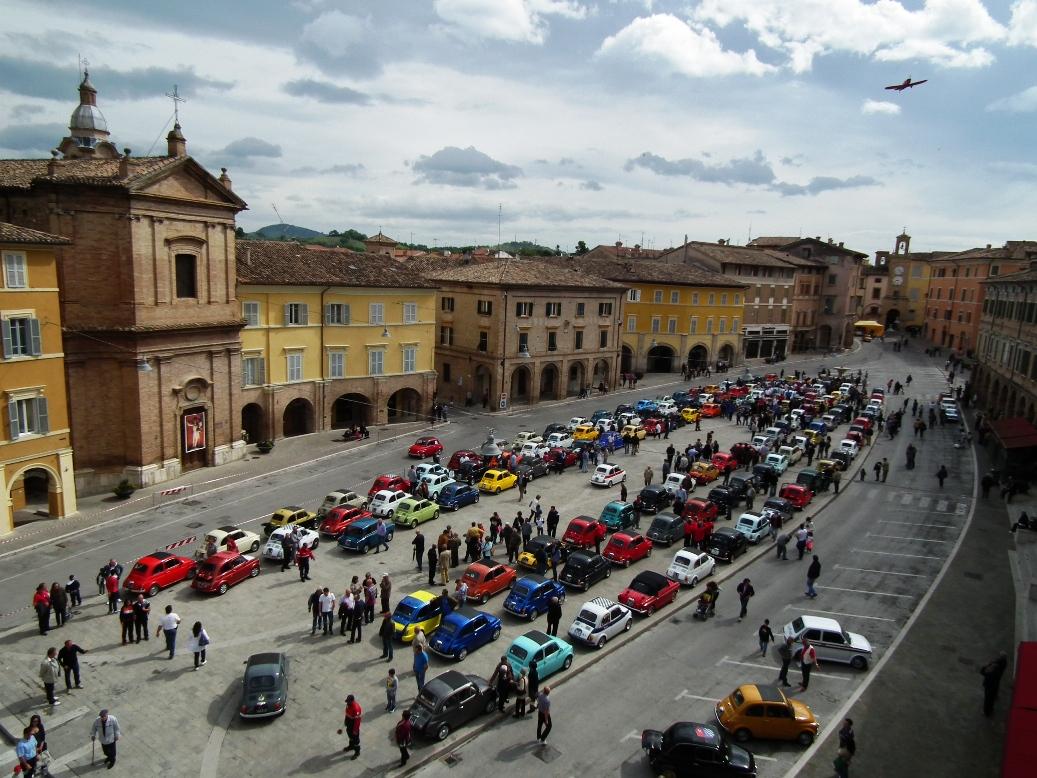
(816, 481)
(418, 610)
(388, 482)
(586, 432)
(704, 473)
(223, 570)
(159, 570)
(652, 499)
(528, 556)
(532, 450)
(673, 482)
(724, 462)
(264, 689)
(485, 579)
(291, 516)
(777, 462)
(275, 551)
(780, 507)
(583, 569)
(584, 532)
(633, 431)
(798, 495)
(550, 652)
(754, 526)
(666, 528)
(337, 519)
(608, 475)
(561, 458)
(497, 481)
(763, 711)
(689, 567)
(425, 447)
(423, 469)
(385, 502)
(725, 544)
(688, 749)
(463, 630)
(724, 496)
(455, 496)
(463, 455)
(530, 596)
(219, 537)
(414, 511)
(362, 535)
(626, 547)
(690, 415)
(436, 482)
(700, 509)
(599, 620)
(648, 591)
(740, 484)
(610, 441)
(851, 447)
(339, 498)
(831, 642)
(449, 701)
(556, 427)
(617, 515)
(532, 468)
(526, 436)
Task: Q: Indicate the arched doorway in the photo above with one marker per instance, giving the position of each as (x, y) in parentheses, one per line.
(549, 382)
(727, 354)
(482, 386)
(404, 405)
(253, 422)
(626, 360)
(892, 317)
(698, 357)
(31, 494)
(601, 373)
(350, 409)
(520, 383)
(298, 418)
(872, 312)
(824, 336)
(576, 378)
(660, 359)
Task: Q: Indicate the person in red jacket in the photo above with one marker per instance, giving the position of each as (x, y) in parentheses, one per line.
(352, 725)
(111, 585)
(303, 557)
(41, 604)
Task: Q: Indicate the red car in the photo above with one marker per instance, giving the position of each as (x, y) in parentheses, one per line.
(699, 509)
(425, 447)
(797, 494)
(583, 532)
(862, 421)
(464, 455)
(568, 458)
(649, 590)
(337, 519)
(626, 547)
(159, 571)
(485, 580)
(221, 571)
(390, 481)
(742, 452)
(724, 462)
(709, 410)
(653, 427)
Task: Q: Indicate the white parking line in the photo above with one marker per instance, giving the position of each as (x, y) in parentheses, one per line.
(892, 553)
(923, 502)
(836, 613)
(633, 735)
(902, 537)
(882, 572)
(864, 591)
(918, 524)
(772, 668)
(760, 757)
(941, 506)
(688, 695)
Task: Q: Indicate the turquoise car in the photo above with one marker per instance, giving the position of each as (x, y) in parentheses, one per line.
(617, 516)
(551, 653)
(412, 511)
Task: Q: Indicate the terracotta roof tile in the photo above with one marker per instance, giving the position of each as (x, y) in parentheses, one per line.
(715, 255)
(287, 263)
(12, 233)
(648, 270)
(20, 173)
(772, 241)
(521, 272)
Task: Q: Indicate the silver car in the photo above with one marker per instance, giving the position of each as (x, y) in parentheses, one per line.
(599, 620)
(831, 642)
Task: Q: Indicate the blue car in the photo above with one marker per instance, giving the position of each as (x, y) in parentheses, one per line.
(645, 406)
(600, 414)
(611, 440)
(549, 652)
(457, 495)
(362, 535)
(463, 630)
(531, 594)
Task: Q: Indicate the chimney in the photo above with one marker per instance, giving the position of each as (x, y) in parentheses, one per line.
(176, 144)
(721, 242)
(52, 165)
(619, 244)
(830, 241)
(817, 237)
(840, 244)
(124, 163)
(225, 179)
(988, 246)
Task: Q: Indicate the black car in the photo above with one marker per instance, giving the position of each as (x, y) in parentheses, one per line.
(815, 480)
(691, 750)
(449, 701)
(781, 507)
(726, 543)
(666, 529)
(841, 456)
(724, 497)
(264, 689)
(763, 472)
(583, 569)
(740, 483)
(623, 408)
(652, 499)
(534, 467)
(469, 471)
(554, 428)
(545, 542)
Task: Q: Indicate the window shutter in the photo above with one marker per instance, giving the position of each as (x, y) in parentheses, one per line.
(287, 314)
(35, 342)
(8, 342)
(261, 378)
(328, 314)
(345, 314)
(12, 415)
(304, 312)
(42, 417)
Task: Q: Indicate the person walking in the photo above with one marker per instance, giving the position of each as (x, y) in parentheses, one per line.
(992, 672)
(554, 616)
(404, 736)
(351, 724)
(941, 475)
(841, 763)
(544, 715)
(781, 544)
(745, 591)
(877, 468)
(106, 729)
(392, 686)
(807, 662)
(501, 680)
(313, 606)
(420, 666)
(837, 478)
(59, 604)
(623, 491)
(197, 642)
(785, 652)
(419, 547)
(75, 596)
(813, 573)
(41, 604)
(649, 475)
(384, 592)
(885, 468)
(167, 626)
(126, 621)
(847, 739)
(802, 536)
(386, 631)
(68, 658)
(50, 671)
(303, 557)
(766, 636)
(141, 612)
(521, 690)
(444, 569)
(382, 533)
(432, 555)
(26, 751)
(533, 682)
(552, 521)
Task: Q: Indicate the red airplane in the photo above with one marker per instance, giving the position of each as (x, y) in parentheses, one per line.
(908, 83)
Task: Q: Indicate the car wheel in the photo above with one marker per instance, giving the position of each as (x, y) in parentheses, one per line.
(477, 498)
(462, 654)
(222, 589)
(673, 597)
(650, 611)
(254, 547)
(442, 732)
(496, 634)
(153, 590)
(491, 706)
(315, 544)
(608, 571)
(742, 735)
(253, 572)
(190, 574)
(805, 738)
(389, 514)
(692, 583)
(388, 536)
(628, 625)
(483, 598)
(365, 549)
(859, 663)
(533, 614)
(601, 642)
(435, 515)
(568, 662)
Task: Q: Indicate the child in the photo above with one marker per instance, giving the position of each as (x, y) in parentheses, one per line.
(392, 683)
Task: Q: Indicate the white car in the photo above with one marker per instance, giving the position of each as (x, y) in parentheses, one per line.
(429, 468)
(339, 497)
(608, 475)
(436, 482)
(605, 423)
(577, 421)
(800, 441)
(273, 550)
(753, 526)
(830, 640)
(385, 502)
(628, 418)
(774, 433)
(527, 437)
(779, 462)
(761, 443)
(830, 421)
(531, 449)
(792, 453)
(598, 620)
(558, 440)
(667, 408)
(245, 541)
(850, 447)
(689, 567)
(673, 483)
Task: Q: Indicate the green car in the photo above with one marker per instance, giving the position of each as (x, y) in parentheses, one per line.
(617, 516)
(412, 511)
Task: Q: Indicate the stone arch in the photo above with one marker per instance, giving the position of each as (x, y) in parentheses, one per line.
(36, 489)
(727, 354)
(298, 418)
(349, 409)
(576, 379)
(521, 381)
(404, 405)
(698, 356)
(892, 317)
(660, 359)
(253, 422)
(549, 382)
(602, 369)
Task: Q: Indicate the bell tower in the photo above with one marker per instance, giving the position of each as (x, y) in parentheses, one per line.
(87, 129)
(903, 244)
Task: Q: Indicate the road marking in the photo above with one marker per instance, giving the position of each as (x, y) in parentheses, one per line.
(941, 506)
(836, 613)
(60, 764)
(632, 735)
(686, 694)
(864, 591)
(918, 524)
(902, 537)
(961, 508)
(758, 757)
(892, 553)
(923, 502)
(772, 668)
(211, 753)
(883, 572)
(67, 716)
(906, 499)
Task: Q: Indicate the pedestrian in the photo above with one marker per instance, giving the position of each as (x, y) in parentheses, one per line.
(356, 622)
(941, 475)
(75, 597)
(313, 606)
(126, 621)
(554, 616)
(111, 585)
(419, 547)
(837, 478)
(50, 671)
(444, 569)
(432, 555)
(106, 728)
(552, 521)
(382, 533)
(392, 685)
(847, 739)
(766, 636)
(885, 469)
(41, 604)
(861, 473)
(813, 573)
(544, 715)
(327, 610)
(878, 470)
(501, 680)
(521, 689)
(287, 550)
(351, 723)
(556, 558)
(384, 591)
(68, 658)
(303, 557)
(785, 652)
(26, 751)
(841, 763)
(346, 604)
(404, 735)
(802, 536)
(534, 684)
(59, 604)
(992, 672)
(386, 631)
(649, 474)
(420, 666)
(454, 544)
(807, 662)
(623, 491)
(141, 613)
(745, 591)
(167, 626)
(197, 642)
(781, 544)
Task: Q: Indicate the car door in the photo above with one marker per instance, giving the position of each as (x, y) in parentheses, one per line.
(227, 572)
(831, 647)
(780, 721)
(466, 635)
(541, 595)
(552, 658)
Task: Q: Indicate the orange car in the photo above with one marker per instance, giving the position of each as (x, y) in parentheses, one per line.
(704, 473)
(710, 410)
(485, 580)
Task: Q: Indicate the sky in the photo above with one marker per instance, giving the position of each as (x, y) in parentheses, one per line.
(564, 120)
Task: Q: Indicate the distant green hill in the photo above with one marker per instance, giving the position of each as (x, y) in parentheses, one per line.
(290, 231)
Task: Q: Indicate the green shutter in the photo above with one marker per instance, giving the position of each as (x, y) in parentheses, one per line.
(345, 314)
(261, 378)
(305, 313)
(42, 417)
(35, 341)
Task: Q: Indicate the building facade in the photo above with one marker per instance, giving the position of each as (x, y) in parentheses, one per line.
(152, 347)
(873, 286)
(520, 331)
(332, 339)
(907, 287)
(36, 467)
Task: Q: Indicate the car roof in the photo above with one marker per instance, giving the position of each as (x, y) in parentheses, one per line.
(466, 612)
(421, 596)
(226, 528)
(445, 684)
(599, 604)
(581, 556)
(533, 578)
(223, 556)
(821, 622)
(541, 540)
(652, 577)
(762, 692)
(264, 658)
(726, 532)
(158, 555)
(536, 636)
(653, 488)
(693, 732)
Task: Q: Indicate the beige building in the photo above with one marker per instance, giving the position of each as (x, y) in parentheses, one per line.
(520, 331)
(841, 298)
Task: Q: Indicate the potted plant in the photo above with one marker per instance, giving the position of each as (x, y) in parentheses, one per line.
(124, 489)
(265, 446)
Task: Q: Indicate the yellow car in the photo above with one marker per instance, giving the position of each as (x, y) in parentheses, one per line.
(634, 430)
(704, 472)
(758, 711)
(293, 515)
(528, 558)
(813, 436)
(829, 465)
(690, 415)
(496, 481)
(586, 432)
(419, 610)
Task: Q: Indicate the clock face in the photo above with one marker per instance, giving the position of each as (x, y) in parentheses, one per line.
(899, 271)
(898, 281)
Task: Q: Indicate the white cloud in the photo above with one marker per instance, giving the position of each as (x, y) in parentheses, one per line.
(879, 106)
(1020, 102)
(942, 32)
(666, 41)
(1022, 30)
(342, 43)
(519, 21)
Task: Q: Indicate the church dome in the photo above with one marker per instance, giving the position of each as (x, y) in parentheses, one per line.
(88, 117)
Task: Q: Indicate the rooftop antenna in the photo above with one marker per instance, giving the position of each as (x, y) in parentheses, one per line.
(177, 99)
(83, 66)
(500, 207)
(279, 217)
(749, 236)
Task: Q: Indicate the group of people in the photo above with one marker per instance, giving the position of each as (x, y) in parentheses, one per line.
(354, 609)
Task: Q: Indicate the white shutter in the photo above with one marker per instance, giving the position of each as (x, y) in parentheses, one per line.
(345, 314)
(287, 314)
(304, 314)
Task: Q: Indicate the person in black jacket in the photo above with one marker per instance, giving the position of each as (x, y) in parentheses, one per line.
(313, 606)
(533, 682)
(433, 557)
(554, 616)
(69, 660)
(419, 548)
(386, 632)
(357, 623)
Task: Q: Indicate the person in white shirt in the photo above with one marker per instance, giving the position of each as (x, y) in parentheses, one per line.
(167, 625)
(327, 610)
(106, 727)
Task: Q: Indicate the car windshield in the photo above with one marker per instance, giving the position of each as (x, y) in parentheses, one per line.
(797, 625)
(737, 697)
(208, 568)
(518, 652)
(259, 683)
(447, 626)
(522, 588)
(587, 617)
(140, 567)
(618, 542)
(405, 610)
(681, 561)
(660, 524)
(427, 700)
(641, 586)
(353, 531)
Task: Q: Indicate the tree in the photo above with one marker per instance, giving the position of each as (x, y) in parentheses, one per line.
(239, 232)
(581, 248)
(333, 233)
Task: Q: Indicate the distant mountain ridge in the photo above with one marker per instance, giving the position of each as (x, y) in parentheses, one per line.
(277, 231)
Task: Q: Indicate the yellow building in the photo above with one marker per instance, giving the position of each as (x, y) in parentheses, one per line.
(907, 287)
(36, 475)
(332, 339)
(673, 314)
